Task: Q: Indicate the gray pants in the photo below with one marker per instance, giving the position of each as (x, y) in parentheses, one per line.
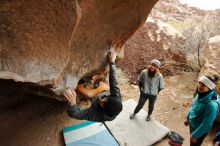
(143, 98)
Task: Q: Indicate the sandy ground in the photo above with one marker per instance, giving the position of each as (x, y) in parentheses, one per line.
(39, 122)
(172, 104)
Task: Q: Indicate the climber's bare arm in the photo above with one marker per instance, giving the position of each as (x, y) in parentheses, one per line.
(70, 96)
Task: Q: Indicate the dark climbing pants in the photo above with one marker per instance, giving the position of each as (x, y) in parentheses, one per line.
(143, 98)
(199, 140)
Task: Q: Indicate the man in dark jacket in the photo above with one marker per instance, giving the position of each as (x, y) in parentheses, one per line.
(105, 107)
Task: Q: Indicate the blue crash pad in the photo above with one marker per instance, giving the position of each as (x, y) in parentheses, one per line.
(88, 134)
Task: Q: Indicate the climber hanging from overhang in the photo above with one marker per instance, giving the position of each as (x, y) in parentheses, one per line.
(105, 107)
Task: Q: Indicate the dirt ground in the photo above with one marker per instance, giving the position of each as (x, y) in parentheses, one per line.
(39, 121)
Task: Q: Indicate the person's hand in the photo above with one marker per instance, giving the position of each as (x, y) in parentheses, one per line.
(193, 140)
(70, 96)
(111, 57)
(186, 123)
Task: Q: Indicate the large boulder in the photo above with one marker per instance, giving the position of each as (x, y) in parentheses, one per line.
(47, 45)
(212, 59)
(155, 40)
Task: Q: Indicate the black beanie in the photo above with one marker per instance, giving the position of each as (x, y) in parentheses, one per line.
(112, 107)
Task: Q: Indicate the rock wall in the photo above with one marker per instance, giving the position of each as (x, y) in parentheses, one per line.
(53, 43)
(154, 40)
(174, 10)
(212, 59)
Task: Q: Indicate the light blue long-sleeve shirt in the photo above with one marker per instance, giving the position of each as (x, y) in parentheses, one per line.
(151, 85)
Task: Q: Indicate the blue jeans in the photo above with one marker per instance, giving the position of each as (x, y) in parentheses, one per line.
(143, 98)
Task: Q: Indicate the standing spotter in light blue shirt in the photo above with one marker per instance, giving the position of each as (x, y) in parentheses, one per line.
(151, 85)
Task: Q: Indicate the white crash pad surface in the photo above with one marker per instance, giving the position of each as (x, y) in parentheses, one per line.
(136, 132)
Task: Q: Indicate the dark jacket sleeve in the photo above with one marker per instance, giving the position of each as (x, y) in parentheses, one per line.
(114, 89)
(75, 112)
(93, 113)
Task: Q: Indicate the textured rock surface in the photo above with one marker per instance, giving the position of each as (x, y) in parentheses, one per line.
(34, 39)
(212, 59)
(54, 43)
(169, 10)
(154, 40)
(161, 37)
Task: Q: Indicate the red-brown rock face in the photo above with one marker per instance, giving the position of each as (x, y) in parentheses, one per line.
(54, 43)
(155, 40)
